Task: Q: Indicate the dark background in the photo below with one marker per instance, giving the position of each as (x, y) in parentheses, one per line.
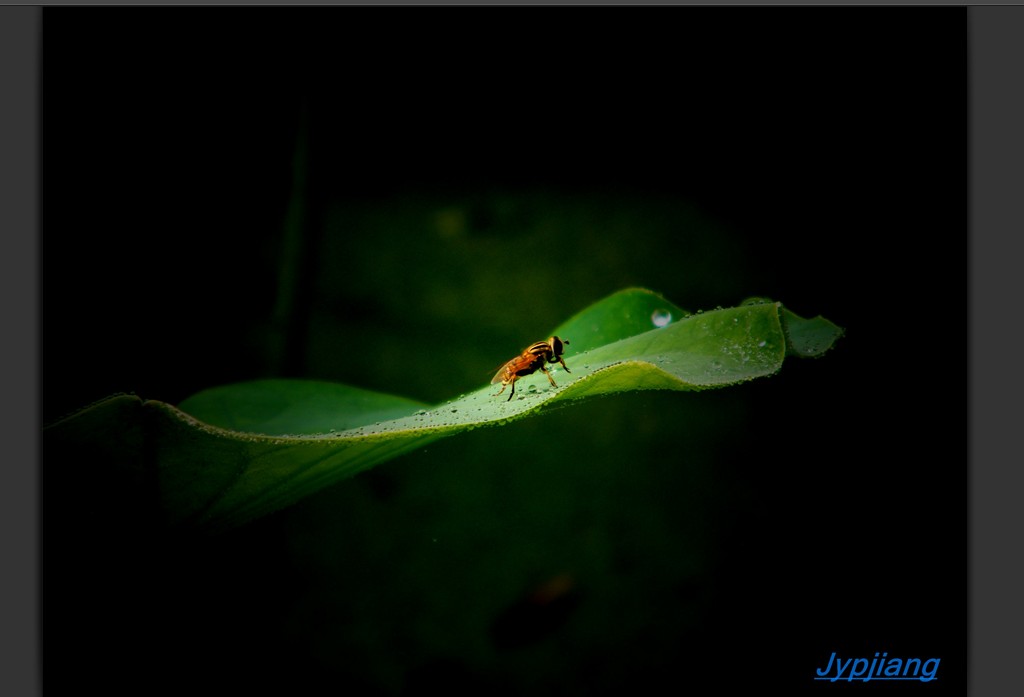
(454, 183)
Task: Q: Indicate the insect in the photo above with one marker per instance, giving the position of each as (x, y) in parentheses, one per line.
(529, 361)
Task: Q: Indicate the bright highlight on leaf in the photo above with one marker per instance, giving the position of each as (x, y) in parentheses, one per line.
(233, 453)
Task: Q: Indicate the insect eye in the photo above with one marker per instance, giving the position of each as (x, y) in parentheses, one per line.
(556, 345)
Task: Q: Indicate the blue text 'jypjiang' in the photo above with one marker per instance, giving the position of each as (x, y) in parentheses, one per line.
(881, 667)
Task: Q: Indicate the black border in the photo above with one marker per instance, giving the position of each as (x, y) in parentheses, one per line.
(997, 154)
(20, 40)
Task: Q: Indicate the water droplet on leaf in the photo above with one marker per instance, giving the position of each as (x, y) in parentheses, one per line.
(661, 318)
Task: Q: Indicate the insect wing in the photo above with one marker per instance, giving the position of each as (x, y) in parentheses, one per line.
(500, 375)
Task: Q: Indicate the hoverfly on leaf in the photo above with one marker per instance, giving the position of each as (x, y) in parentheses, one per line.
(532, 358)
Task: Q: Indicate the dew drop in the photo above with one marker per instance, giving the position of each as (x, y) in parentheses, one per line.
(761, 343)
(661, 318)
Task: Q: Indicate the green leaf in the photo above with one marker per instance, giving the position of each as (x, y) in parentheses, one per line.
(808, 338)
(294, 407)
(233, 453)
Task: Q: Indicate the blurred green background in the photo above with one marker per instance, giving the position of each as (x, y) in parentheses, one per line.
(403, 200)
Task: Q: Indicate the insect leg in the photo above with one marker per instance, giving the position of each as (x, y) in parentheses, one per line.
(550, 379)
